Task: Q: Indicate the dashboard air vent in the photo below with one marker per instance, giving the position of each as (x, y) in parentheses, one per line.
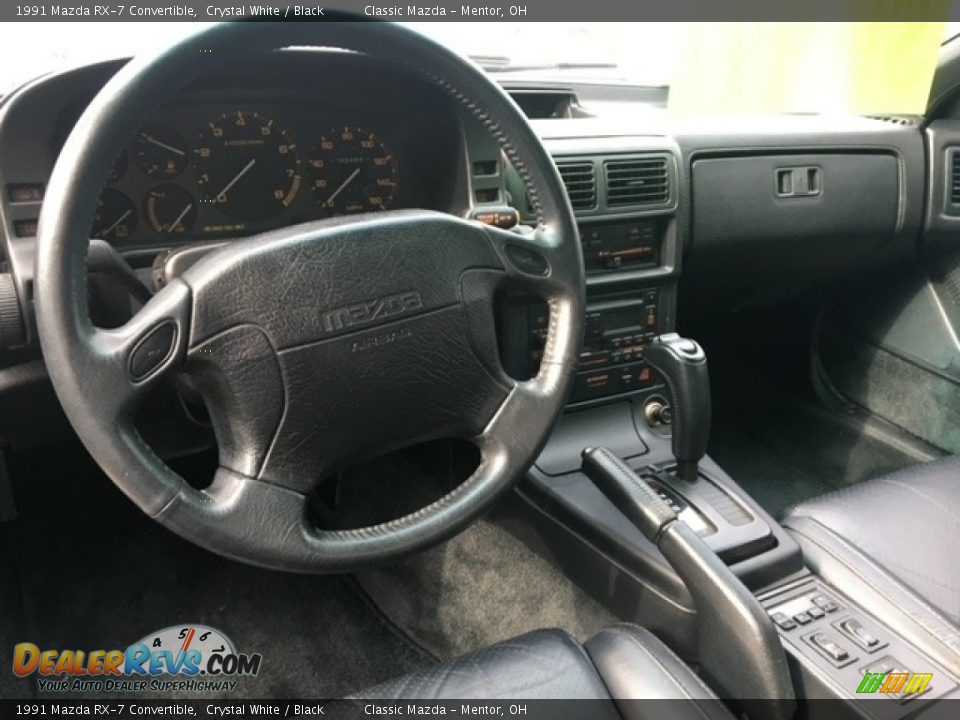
(580, 179)
(637, 181)
(955, 176)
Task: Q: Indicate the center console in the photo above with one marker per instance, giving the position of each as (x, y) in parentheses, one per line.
(640, 395)
(621, 401)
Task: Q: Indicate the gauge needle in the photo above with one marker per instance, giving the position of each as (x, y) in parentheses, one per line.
(329, 202)
(222, 195)
(113, 227)
(173, 225)
(153, 140)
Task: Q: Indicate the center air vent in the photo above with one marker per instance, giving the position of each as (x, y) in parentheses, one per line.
(637, 181)
(580, 179)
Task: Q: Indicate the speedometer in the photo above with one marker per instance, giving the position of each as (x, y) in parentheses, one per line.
(246, 166)
(353, 171)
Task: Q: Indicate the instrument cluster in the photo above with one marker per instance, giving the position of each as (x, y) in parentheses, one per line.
(211, 170)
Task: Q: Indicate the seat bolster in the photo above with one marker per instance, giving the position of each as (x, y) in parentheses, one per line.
(847, 567)
(635, 665)
(541, 665)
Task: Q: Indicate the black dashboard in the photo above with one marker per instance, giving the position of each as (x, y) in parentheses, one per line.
(667, 208)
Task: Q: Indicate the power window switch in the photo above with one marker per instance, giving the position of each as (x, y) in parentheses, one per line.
(815, 612)
(888, 664)
(892, 667)
(825, 603)
(829, 649)
(905, 697)
(802, 618)
(854, 629)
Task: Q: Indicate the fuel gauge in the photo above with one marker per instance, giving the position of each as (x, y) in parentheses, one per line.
(170, 209)
(116, 216)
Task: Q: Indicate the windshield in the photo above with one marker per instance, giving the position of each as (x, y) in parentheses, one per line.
(708, 67)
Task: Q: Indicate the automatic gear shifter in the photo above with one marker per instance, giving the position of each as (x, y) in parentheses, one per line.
(683, 365)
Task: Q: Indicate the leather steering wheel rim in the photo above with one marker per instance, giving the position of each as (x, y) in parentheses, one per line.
(255, 509)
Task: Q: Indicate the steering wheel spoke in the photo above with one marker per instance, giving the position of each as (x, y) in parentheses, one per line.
(136, 356)
(532, 258)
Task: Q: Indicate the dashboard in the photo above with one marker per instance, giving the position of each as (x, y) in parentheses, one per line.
(698, 208)
(245, 153)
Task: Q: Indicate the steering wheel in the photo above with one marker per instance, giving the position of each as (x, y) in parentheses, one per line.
(319, 344)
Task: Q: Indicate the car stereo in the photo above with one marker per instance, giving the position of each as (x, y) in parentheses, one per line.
(615, 336)
(621, 245)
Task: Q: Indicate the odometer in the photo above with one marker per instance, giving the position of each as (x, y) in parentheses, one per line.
(246, 166)
(353, 171)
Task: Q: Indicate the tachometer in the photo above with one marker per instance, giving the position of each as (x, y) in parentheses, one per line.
(353, 171)
(246, 166)
(116, 216)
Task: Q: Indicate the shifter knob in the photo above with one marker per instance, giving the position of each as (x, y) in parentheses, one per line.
(683, 365)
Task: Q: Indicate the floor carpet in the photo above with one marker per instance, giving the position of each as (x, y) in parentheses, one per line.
(481, 587)
(95, 573)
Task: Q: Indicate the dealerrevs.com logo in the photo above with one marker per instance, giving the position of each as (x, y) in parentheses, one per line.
(181, 657)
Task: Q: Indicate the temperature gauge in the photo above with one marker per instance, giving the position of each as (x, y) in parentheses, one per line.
(170, 209)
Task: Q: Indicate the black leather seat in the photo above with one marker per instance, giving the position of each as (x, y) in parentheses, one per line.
(891, 545)
(621, 663)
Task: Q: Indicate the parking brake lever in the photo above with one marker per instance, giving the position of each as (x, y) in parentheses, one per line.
(738, 647)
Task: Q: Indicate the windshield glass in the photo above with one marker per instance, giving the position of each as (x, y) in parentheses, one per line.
(709, 68)
(40, 47)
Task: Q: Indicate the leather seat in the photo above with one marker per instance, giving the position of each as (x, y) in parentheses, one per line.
(890, 544)
(620, 663)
